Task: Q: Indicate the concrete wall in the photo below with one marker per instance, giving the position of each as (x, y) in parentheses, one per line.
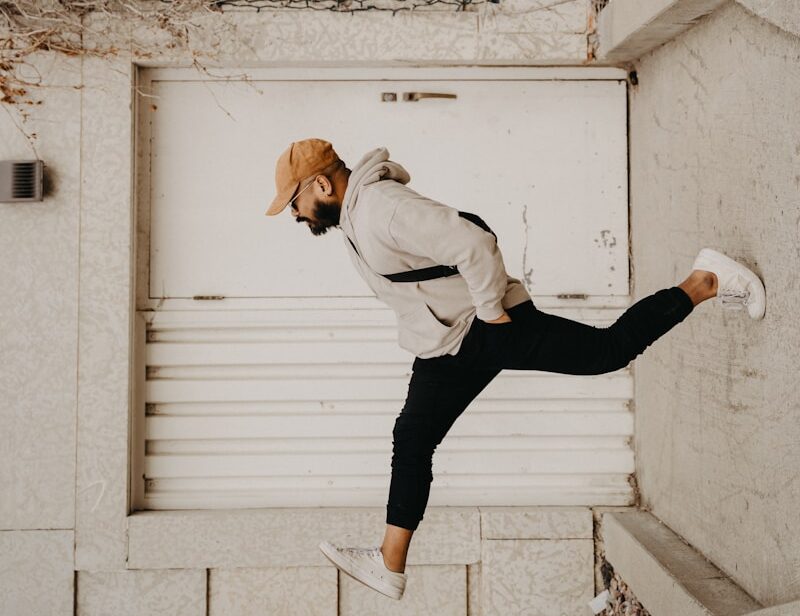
(715, 161)
(67, 541)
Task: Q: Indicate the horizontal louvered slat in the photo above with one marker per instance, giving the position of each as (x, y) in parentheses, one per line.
(317, 370)
(281, 408)
(277, 352)
(462, 497)
(338, 481)
(208, 319)
(249, 327)
(454, 442)
(567, 460)
(368, 407)
(341, 425)
(613, 386)
(454, 489)
(376, 334)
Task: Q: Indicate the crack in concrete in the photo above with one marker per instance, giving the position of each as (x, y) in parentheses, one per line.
(526, 273)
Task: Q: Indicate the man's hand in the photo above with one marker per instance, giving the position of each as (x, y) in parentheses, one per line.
(503, 318)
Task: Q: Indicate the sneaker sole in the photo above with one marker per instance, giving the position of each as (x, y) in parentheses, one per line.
(716, 257)
(359, 573)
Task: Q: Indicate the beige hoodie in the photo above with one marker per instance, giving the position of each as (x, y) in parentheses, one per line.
(395, 229)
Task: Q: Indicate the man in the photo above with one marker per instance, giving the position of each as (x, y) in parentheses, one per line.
(464, 324)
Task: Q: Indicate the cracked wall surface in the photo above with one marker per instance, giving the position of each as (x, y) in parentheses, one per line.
(783, 13)
(715, 161)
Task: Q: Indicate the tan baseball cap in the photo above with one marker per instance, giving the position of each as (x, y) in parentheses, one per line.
(300, 160)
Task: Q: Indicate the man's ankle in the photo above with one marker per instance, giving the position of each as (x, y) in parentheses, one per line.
(392, 564)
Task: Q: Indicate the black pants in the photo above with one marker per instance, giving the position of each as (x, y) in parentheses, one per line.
(442, 387)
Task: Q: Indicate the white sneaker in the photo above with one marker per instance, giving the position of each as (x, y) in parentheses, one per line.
(737, 286)
(367, 566)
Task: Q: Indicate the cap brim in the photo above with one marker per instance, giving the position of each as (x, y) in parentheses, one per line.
(280, 202)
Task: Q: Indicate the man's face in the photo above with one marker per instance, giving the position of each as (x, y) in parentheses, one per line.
(316, 208)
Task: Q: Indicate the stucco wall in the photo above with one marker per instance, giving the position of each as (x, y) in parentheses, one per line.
(715, 161)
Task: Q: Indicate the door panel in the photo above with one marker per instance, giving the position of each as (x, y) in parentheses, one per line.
(543, 162)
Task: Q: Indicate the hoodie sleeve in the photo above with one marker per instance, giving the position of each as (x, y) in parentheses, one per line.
(431, 229)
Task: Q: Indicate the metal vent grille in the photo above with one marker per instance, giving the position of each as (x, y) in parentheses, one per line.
(21, 180)
(24, 180)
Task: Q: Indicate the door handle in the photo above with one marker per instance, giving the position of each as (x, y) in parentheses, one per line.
(572, 296)
(415, 96)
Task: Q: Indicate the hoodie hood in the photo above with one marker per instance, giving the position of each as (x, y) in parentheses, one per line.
(374, 166)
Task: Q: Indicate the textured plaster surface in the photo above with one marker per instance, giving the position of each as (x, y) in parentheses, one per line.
(783, 13)
(430, 589)
(135, 593)
(36, 572)
(39, 306)
(540, 523)
(785, 609)
(516, 31)
(105, 308)
(536, 576)
(305, 591)
(715, 161)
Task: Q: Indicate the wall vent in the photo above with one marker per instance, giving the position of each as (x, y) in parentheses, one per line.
(21, 180)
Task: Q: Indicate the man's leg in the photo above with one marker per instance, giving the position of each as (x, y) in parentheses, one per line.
(700, 286)
(536, 340)
(442, 387)
(439, 390)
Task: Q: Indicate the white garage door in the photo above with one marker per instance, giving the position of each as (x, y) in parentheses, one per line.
(269, 373)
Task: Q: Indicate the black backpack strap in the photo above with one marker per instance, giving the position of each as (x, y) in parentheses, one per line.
(478, 221)
(434, 271)
(425, 273)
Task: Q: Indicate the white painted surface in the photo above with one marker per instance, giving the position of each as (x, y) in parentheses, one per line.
(542, 161)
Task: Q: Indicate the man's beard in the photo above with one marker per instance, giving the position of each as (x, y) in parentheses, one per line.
(326, 215)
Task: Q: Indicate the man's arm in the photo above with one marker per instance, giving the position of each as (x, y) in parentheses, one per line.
(434, 230)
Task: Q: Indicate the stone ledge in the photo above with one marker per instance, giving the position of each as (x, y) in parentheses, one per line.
(540, 522)
(289, 537)
(667, 575)
(628, 29)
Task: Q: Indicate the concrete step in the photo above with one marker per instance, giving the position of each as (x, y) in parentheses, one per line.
(668, 576)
